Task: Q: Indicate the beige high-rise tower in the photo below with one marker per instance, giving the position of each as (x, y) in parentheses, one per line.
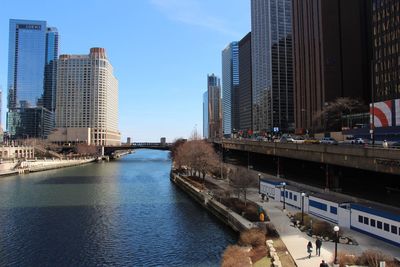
(87, 100)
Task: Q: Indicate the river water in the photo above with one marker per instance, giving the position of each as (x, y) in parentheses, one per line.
(122, 213)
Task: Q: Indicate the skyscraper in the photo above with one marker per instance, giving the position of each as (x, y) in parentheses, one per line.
(272, 64)
(32, 48)
(332, 55)
(243, 95)
(386, 49)
(230, 81)
(205, 114)
(214, 107)
(87, 100)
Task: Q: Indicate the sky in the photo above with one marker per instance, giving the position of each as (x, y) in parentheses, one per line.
(161, 51)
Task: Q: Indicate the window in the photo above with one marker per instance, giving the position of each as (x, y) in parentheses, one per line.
(317, 205)
(286, 194)
(379, 224)
(290, 195)
(366, 220)
(333, 210)
(360, 218)
(394, 229)
(372, 222)
(386, 227)
(295, 197)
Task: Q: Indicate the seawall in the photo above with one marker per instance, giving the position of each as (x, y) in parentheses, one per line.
(43, 165)
(223, 213)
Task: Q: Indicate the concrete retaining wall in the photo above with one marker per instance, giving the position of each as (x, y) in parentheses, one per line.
(227, 216)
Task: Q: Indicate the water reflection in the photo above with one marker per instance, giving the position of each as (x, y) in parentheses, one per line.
(123, 213)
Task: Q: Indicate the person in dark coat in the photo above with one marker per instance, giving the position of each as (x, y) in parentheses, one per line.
(323, 264)
(318, 244)
(309, 249)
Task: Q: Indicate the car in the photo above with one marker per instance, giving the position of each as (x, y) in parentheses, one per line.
(328, 141)
(353, 140)
(311, 141)
(298, 140)
(286, 139)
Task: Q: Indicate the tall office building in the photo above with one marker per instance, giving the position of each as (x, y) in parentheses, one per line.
(272, 59)
(230, 81)
(87, 100)
(386, 49)
(243, 96)
(205, 114)
(32, 48)
(331, 56)
(214, 107)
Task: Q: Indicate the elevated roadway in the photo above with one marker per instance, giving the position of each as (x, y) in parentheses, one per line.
(351, 156)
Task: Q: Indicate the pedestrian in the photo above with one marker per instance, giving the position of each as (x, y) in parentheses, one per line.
(385, 144)
(323, 264)
(309, 249)
(318, 244)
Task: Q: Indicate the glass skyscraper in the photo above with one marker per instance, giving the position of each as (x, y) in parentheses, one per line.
(230, 82)
(214, 107)
(205, 115)
(272, 65)
(33, 48)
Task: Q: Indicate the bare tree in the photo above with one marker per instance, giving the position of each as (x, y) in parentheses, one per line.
(332, 113)
(241, 180)
(84, 149)
(175, 146)
(235, 256)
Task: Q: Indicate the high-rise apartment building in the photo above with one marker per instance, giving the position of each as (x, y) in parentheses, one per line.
(230, 81)
(87, 100)
(214, 107)
(243, 96)
(272, 59)
(205, 114)
(33, 47)
(331, 54)
(386, 49)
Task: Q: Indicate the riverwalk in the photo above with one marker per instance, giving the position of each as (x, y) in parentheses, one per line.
(296, 241)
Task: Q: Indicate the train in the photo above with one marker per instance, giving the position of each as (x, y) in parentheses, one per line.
(379, 221)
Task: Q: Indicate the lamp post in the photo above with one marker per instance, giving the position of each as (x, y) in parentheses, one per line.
(336, 230)
(283, 184)
(302, 208)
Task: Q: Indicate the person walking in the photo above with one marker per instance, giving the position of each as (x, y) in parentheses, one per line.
(309, 249)
(323, 264)
(318, 244)
(385, 144)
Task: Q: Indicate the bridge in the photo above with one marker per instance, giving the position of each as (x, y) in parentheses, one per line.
(377, 159)
(108, 150)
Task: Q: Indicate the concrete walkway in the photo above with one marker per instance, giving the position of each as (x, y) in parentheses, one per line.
(296, 241)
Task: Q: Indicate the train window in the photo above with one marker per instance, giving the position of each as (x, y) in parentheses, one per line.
(360, 218)
(295, 197)
(372, 222)
(366, 220)
(379, 224)
(333, 210)
(386, 227)
(290, 195)
(286, 195)
(394, 229)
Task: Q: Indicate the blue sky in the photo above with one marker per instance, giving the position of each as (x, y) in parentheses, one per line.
(161, 51)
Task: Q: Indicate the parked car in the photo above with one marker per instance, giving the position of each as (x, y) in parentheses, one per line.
(353, 140)
(328, 141)
(298, 139)
(311, 141)
(286, 139)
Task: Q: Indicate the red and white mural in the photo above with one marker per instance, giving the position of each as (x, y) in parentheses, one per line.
(382, 113)
(397, 111)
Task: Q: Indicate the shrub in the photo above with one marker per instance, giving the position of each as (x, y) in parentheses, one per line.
(271, 231)
(322, 228)
(346, 259)
(235, 256)
(372, 258)
(253, 237)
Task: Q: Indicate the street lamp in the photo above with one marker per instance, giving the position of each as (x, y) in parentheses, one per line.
(302, 208)
(283, 184)
(336, 230)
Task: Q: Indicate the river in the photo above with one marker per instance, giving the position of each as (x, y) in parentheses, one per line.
(121, 213)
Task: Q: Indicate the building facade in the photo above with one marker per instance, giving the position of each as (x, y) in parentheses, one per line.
(87, 97)
(214, 107)
(205, 114)
(33, 47)
(230, 82)
(331, 55)
(272, 59)
(243, 97)
(386, 49)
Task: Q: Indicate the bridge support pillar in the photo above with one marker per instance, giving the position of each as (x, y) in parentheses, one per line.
(279, 167)
(331, 178)
(102, 151)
